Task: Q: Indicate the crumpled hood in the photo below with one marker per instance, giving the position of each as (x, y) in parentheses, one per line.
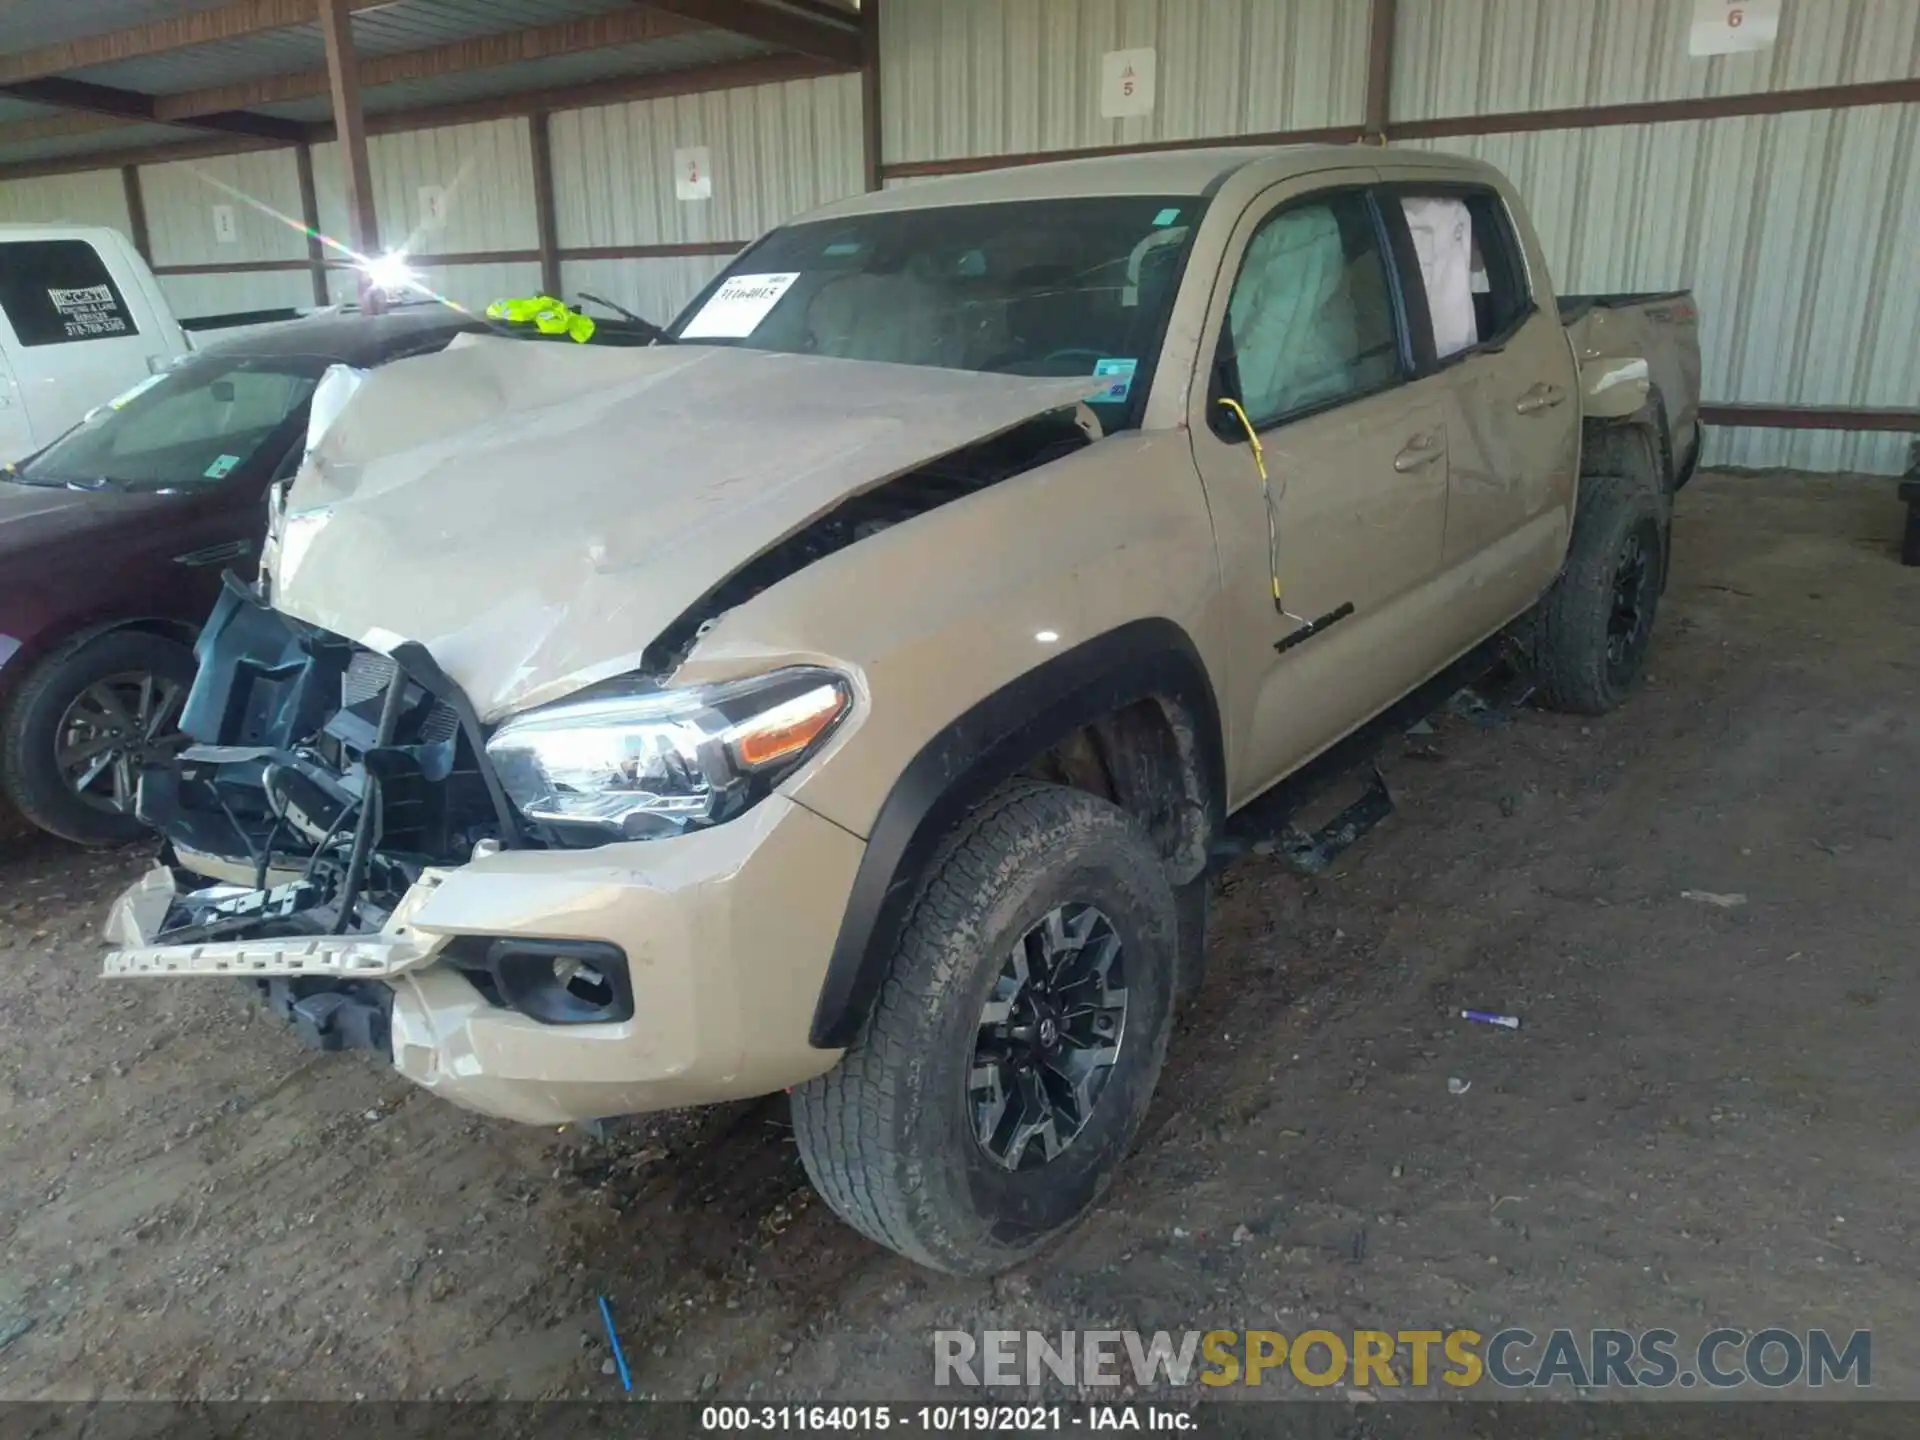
(536, 515)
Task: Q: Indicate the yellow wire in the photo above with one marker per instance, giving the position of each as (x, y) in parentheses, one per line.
(1266, 497)
(1259, 452)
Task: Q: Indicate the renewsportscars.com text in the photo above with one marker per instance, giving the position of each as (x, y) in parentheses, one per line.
(1511, 1359)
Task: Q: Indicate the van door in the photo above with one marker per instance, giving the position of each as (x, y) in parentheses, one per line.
(77, 332)
(1325, 580)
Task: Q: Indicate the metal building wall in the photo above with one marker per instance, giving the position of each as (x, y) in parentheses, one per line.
(486, 174)
(96, 197)
(263, 190)
(776, 151)
(1796, 231)
(1485, 57)
(996, 77)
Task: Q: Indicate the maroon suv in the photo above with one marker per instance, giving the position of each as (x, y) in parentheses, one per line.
(113, 540)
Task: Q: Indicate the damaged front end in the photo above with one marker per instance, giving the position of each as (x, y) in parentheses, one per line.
(326, 784)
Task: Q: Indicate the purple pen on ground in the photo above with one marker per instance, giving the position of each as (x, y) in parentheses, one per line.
(1487, 1017)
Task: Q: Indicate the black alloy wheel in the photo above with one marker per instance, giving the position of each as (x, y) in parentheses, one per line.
(1049, 1036)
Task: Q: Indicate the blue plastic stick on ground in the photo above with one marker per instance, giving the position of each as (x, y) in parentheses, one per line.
(619, 1355)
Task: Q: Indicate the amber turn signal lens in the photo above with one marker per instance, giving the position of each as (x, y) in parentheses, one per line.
(787, 729)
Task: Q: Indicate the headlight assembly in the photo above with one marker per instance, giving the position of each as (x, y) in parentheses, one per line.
(634, 762)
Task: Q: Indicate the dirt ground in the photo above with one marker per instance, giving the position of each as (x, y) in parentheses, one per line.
(1708, 1118)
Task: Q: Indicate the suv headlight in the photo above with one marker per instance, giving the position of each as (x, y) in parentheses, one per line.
(634, 762)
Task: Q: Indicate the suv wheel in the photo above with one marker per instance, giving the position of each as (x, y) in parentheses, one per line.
(1013, 1050)
(82, 726)
(1591, 632)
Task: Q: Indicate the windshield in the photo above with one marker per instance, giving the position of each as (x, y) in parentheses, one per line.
(195, 425)
(1040, 287)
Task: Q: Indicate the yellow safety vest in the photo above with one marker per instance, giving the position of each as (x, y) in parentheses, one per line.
(546, 314)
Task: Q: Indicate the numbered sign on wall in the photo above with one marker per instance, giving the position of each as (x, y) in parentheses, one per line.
(1727, 27)
(433, 207)
(226, 230)
(693, 173)
(1126, 83)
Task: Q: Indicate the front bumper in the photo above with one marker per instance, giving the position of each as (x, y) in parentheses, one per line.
(726, 932)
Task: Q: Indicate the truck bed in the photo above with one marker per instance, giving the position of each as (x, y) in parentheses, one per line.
(1663, 327)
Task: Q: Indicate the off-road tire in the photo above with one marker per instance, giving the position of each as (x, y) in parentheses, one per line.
(887, 1135)
(1620, 504)
(28, 773)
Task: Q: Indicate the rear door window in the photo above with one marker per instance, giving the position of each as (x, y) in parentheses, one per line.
(1472, 272)
(58, 292)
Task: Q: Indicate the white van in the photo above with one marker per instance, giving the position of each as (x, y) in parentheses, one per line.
(81, 320)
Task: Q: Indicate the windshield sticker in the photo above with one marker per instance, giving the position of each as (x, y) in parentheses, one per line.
(129, 396)
(738, 307)
(1120, 373)
(221, 467)
(842, 247)
(1167, 216)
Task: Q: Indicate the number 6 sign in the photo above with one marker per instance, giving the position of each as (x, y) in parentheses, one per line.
(1726, 27)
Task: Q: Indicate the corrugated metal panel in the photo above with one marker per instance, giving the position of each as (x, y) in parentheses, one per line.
(412, 25)
(264, 190)
(11, 109)
(93, 198)
(656, 290)
(680, 52)
(998, 77)
(192, 295)
(777, 150)
(1482, 57)
(26, 27)
(115, 138)
(1796, 232)
(486, 171)
(472, 287)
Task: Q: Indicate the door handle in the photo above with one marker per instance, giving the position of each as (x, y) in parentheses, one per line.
(1540, 397)
(1420, 450)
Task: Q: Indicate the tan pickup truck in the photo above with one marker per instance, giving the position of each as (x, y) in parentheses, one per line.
(851, 695)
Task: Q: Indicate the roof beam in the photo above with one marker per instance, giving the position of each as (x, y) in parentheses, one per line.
(198, 27)
(138, 109)
(809, 31)
(616, 90)
(483, 52)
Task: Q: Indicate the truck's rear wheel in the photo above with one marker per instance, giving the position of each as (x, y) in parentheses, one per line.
(1591, 632)
(1011, 1054)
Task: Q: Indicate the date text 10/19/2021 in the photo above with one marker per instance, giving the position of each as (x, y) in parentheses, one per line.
(944, 1419)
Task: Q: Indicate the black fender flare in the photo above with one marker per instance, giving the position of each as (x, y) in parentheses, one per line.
(977, 752)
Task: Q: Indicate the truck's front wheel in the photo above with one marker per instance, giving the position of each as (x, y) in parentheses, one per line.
(1011, 1054)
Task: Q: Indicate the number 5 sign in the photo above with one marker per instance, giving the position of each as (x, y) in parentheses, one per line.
(693, 173)
(1126, 83)
(1725, 27)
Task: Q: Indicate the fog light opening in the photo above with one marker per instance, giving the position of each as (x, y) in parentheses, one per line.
(582, 981)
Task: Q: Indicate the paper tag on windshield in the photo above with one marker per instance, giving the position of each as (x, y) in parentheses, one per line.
(221, 467)
(738, 307)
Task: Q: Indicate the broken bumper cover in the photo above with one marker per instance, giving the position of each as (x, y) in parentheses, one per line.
(726, 935)
(137, 916)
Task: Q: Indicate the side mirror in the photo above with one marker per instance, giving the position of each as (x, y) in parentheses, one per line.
(1222, 417)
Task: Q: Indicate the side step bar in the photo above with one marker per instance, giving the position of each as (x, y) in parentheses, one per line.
(1270, 818)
